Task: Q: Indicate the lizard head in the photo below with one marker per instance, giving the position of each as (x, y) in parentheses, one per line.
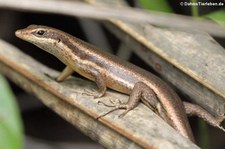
(53, 41)
(34, 34)
(46, 38)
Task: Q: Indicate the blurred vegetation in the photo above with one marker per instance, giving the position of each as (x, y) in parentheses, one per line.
(11, 129)
(164, 6)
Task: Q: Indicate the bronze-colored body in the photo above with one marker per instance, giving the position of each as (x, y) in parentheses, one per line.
(109, 71)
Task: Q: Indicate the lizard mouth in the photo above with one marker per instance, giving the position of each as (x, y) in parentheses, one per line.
(19, 33)
(22, 34)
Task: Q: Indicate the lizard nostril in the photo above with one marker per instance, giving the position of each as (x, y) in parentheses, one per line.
(17, 33)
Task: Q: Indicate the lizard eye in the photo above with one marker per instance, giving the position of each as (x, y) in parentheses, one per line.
(40, 32)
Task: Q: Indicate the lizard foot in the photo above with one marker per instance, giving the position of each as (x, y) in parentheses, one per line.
(49, 76)
(219, 120)
(116, 107)
(93, 93)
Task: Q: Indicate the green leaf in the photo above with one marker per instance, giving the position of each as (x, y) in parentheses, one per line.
(194, 9)
(217, 16)
(203, 130)
(156, 5)
(11, 130)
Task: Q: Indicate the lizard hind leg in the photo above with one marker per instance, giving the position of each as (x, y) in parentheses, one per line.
(192, 109)
(140, 92)
(150, 99)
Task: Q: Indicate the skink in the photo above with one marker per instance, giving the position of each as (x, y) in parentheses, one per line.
(109, 71)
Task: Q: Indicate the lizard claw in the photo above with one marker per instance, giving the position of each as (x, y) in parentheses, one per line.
(221, 128)
(51, 77)
(93, 92)
(112, 103)
(116, 107)
(124, 113)
(220, 119)
(117, 102)
(104, 114)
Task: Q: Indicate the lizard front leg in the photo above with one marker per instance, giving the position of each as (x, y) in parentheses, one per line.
(64, 74)
(99, 79)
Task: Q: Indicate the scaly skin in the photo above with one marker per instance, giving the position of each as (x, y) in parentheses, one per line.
(109, 71)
